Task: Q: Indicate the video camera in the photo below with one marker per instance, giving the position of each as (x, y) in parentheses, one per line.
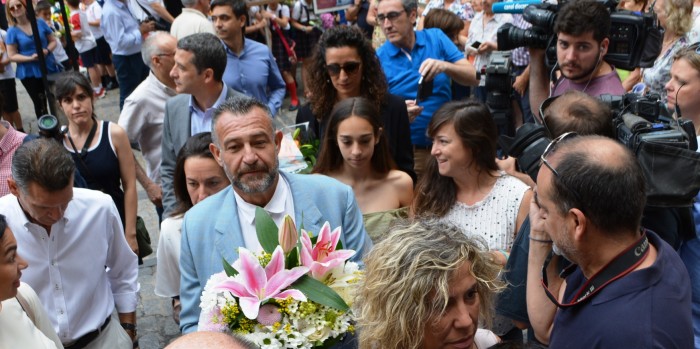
(665, 147)
(50, 127)
(499, 84)
(635, 39)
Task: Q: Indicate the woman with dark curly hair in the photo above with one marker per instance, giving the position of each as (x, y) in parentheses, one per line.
(345, 65)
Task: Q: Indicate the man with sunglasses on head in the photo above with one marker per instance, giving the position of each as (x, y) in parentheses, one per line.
(583, 29)
(627, 287)
(411, 56)
(250, 66)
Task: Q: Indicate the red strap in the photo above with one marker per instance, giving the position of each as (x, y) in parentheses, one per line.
(277, 28)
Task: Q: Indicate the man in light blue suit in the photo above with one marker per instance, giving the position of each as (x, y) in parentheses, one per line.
(246, 146)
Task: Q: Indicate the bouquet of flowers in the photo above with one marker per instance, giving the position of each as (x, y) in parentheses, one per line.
(294, 294)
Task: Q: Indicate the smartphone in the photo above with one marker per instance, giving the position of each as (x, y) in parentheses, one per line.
(476, 44)
(425, 90)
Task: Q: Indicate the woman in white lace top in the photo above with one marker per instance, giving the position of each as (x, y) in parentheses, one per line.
(462, 183)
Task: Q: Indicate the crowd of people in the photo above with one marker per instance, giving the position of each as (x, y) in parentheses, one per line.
(458, 246)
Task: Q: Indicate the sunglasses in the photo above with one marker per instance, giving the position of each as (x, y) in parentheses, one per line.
(349, 68)
(543, 108)
(391, 16)
(16, 7)
(550, 149)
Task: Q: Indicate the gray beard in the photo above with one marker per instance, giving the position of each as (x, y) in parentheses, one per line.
(260, 186)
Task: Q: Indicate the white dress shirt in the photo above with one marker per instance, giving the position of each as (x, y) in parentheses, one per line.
(142, 119)
(280, 205)
(83, 268)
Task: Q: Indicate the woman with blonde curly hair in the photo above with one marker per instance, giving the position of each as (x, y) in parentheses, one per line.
(427, 285)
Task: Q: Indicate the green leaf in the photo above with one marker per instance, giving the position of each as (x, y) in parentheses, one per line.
(228, 268)
(320, 293)
(266, 230)
(292, 259)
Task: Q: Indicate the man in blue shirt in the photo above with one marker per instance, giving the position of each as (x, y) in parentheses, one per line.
(627, 288)
(250, 66)
(123, 34)
(409, 55)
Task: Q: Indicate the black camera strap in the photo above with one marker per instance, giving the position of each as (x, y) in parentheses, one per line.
(88, 140)
(623, 264)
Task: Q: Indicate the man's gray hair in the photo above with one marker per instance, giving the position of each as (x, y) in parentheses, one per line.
(408, 5)
(151, 47)
(44, 162)
(188, 3)
(238, 105)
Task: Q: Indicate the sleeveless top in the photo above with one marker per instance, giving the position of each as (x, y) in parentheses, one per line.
(100, 167)
(494, 217)
(377, 223)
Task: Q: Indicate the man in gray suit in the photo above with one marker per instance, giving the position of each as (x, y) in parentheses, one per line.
(200, 61)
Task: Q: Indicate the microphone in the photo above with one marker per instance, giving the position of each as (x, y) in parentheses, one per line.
(677, 108)
(516, 7)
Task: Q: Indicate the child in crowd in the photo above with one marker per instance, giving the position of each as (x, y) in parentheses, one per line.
(43, 12)
(86, 45)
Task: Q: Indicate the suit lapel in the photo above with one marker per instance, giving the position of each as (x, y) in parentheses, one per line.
(304, 205)
(228, 229)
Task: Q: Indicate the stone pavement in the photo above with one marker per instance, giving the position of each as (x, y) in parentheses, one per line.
(156, 327)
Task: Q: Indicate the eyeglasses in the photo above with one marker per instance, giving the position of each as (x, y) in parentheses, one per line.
(543, 107)
(391, 16)
(16, 7)
(349, 68)
(166, 54)
(550, 149)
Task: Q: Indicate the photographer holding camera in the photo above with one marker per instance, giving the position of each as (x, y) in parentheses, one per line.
(583, 29)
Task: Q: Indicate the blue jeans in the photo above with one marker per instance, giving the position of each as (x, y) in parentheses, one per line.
(130, 72)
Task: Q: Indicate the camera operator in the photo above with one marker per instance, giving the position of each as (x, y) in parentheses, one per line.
(681, 90)
(583, 29)
(578, 112)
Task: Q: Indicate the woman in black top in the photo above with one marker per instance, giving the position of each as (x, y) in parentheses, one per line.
(100, 149)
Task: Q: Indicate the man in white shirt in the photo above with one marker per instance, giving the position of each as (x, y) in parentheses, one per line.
(144, 110)
(79, 261)
(193, 19)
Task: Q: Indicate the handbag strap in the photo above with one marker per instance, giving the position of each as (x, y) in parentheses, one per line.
(278, 30)
(25, 306)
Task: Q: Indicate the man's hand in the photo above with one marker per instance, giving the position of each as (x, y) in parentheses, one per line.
(431, 68)
(487, 47)
(146, 27)
(155, 194)
(413, 109)
(521, 83)
(537, 228)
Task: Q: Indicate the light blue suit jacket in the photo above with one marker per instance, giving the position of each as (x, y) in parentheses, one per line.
(211, 231)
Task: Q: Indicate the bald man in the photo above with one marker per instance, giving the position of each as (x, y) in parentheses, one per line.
(210, 340)
(588, 208)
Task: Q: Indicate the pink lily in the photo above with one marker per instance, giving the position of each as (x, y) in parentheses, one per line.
(323, 257)
(254, 285)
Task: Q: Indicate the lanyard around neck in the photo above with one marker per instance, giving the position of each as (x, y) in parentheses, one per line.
(623, 264)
